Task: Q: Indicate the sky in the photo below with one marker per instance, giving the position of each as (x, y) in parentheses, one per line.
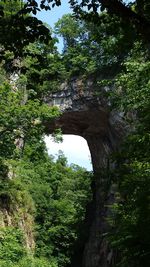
(52, 16)
(75, 148)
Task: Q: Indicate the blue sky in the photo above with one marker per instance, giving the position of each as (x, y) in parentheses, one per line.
(75, 148)
(52, 16)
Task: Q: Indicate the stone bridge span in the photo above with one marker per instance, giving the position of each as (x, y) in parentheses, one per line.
(87, 112)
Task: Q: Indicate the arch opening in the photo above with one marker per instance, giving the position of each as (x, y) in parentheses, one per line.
(74, 147)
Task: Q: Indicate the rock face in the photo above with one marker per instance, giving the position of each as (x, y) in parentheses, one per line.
(86, 112)
(13, 215)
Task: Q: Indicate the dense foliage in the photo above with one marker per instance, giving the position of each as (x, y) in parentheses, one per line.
(90, 48)
(52, 194)
(132, 222)
(56, 196)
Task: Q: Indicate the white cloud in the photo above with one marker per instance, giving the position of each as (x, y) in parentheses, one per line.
(74, 147)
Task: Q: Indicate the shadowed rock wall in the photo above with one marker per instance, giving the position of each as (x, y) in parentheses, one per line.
(87, 112)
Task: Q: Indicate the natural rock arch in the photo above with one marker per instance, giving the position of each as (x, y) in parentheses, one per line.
(86, 112)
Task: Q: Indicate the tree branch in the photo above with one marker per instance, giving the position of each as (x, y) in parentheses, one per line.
(118, 8)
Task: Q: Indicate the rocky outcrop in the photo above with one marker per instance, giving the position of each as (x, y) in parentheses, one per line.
(16, 211)
(86, 111)
(22, 220)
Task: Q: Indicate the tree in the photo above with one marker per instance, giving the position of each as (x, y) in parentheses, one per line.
(138, 16)
(131, 235)
(19, 27)
(90, 48)
(43, 69)
(11, 245)
(22, 84)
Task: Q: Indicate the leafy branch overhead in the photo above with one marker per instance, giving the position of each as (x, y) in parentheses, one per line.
(19, 28)
(136, 13)
(22, 29)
